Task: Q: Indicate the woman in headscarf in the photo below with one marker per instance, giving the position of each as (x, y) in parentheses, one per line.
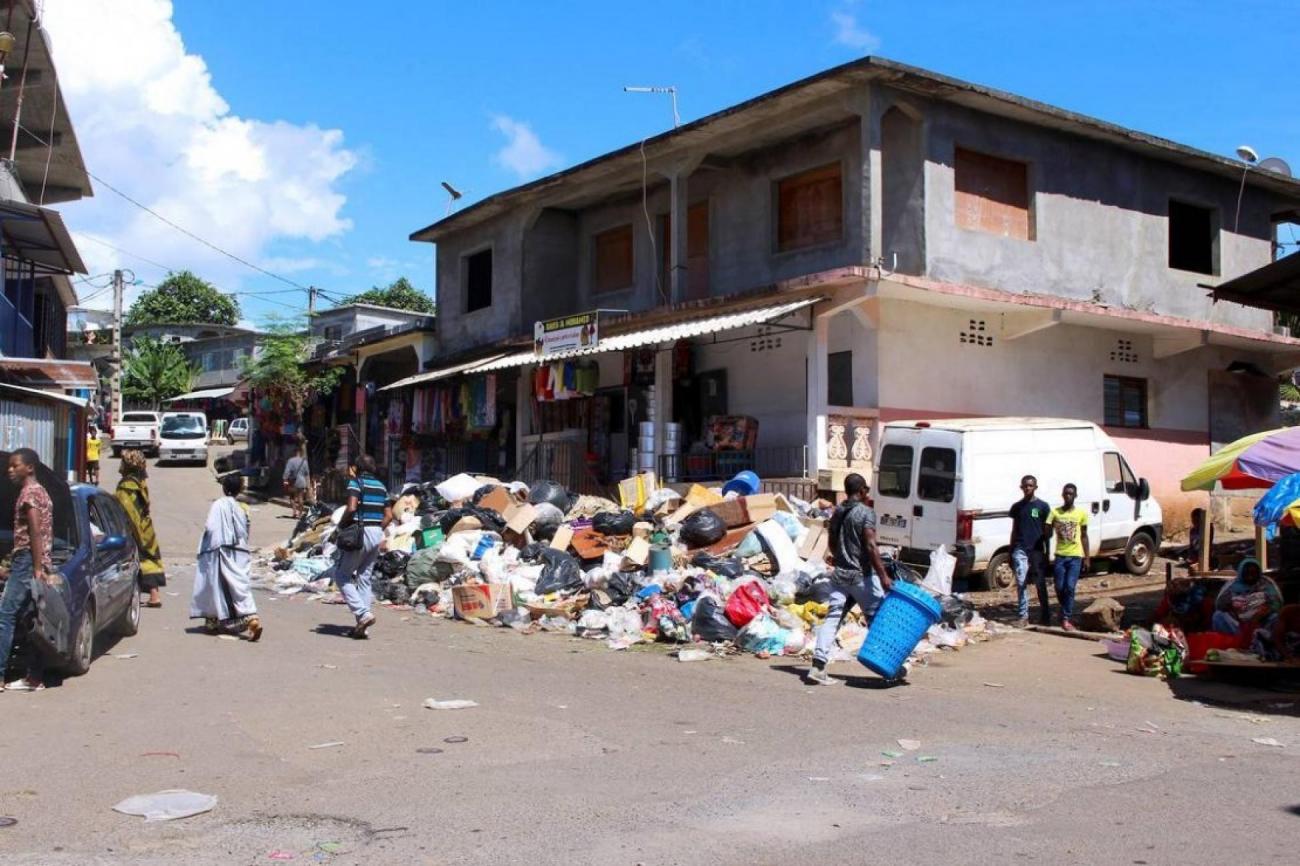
(223, 593)
(133, 493)
(1249, 602)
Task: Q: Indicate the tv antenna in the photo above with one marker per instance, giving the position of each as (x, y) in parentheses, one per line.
(1250, 157)
(671, 90)
(453, 195)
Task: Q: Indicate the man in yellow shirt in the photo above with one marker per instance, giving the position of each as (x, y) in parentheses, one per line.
(92, 455)
(1070, 528)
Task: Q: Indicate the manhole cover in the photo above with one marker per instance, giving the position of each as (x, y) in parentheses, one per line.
(429, 750)
(456, 740)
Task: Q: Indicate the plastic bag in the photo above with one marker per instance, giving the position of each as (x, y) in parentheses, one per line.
(778, 546)
(551, 493)
(709, 622)
(488, 519)
(614, 522)
(548, 520)
(167, 805)
(762, 635)
(620, 587)
(722, 565)
(702, 528)
(392, 563)
(939, 578)
(458, 487)
(560, 573)
(747, 602)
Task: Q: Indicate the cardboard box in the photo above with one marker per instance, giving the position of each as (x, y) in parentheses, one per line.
(563, 537)
(815, 544)
(700, 496)
(638, 551)
(520, 517)
(642, 529)
(498, 500)
(589, 544)
(481, 600)
(466, 524)
(681, 514)
(733, 512)
(633, 492)
(761, 506)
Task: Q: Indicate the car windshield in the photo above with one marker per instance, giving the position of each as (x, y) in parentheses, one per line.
(139, 418)
(183, 427)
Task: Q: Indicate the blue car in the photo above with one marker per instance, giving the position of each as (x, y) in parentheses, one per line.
(94, 551)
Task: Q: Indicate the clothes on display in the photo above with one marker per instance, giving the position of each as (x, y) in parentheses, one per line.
(565, 380)
(442, 408)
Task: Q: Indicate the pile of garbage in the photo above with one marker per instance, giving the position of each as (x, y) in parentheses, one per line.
(731, 568)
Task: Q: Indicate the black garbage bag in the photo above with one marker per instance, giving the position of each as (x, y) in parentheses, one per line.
(481, 492)
(549, 492)
(710, 623)
(726, 566)
(548, 520)
(621, 587)
(703, 528)
(560, 572)
(614, 522)
(489, 519)
(392, 564)
(808, 588)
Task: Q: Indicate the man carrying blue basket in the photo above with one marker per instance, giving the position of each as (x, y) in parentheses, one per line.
(858, 573)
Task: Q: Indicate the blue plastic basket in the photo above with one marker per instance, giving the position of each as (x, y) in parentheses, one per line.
(901, 621)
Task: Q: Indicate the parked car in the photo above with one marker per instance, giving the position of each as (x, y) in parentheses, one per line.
(136, 430)
(96, 557)
(950, 482)
(237, 431)
(183, 437)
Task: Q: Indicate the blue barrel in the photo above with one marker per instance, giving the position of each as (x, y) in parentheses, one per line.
(901, 621)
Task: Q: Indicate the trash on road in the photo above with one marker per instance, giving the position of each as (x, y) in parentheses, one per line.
(167, 805)
(433, 704)
(1267, 741)
(909, 745)
(330, 745)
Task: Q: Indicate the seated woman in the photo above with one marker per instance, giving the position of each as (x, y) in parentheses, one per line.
(1186, 605)
(1247, 603)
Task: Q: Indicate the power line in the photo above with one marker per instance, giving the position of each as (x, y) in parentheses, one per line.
(105, 243)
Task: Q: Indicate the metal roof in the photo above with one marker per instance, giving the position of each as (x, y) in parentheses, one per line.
(650, 336)
(1276, 286)
(38, 235)
(445, 372)
(43, 373)
(207, 394)
(79, 402)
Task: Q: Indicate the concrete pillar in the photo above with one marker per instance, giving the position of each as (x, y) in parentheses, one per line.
(818, 377)
(523, 411)
(663, 392)
(677, 233)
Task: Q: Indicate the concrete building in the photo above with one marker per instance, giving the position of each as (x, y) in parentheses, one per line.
(874, 243)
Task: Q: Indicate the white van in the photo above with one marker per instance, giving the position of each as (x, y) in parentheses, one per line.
(951, 483)
(183, 436)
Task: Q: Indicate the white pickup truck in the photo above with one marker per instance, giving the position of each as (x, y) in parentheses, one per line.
(136, 430)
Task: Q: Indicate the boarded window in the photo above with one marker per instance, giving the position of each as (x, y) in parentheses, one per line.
(613, 260)
(992, 195)
(1192, 238)
(697, 251)
(478, 281)
(839, 378)
(810, 208)
(1125, 401)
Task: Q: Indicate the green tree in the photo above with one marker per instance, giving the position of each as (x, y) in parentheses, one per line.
(183, 298)
(278, 367)
(399, 294)
(154, 371)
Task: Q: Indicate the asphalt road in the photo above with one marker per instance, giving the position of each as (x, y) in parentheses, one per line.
(1043, 751)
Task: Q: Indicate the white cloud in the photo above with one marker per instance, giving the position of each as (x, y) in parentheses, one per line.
(150, 120)
(851, 33)
(523, 152)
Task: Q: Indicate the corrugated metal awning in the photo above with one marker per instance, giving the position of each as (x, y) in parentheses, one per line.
(445, 372)
(79, 402)
(46, 373)
(208, 394)
(661, 334)
(38, 235)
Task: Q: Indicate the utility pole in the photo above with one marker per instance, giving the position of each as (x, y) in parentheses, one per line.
(311, 301)
(115, 383)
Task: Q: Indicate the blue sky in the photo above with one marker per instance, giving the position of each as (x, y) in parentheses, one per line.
(423, 92)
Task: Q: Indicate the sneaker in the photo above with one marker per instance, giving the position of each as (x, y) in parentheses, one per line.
(25, 685)
(1066, 625)
(1023, 622)
(819, 677)
(254, 628)
(363, 625)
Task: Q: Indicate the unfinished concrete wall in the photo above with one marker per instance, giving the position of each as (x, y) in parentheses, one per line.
(550, 269)
(459, 330)
(1099, 217)
(902, 159)
(646, 290)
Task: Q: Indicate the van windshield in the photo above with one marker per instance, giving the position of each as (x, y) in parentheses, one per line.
(183, 427)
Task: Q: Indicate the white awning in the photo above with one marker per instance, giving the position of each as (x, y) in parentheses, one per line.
(661, 334)
(434, 375)
(209, 394)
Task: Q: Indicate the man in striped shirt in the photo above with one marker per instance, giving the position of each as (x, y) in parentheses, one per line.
(367, 505)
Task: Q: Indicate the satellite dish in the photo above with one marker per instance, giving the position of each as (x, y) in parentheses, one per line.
(1275, 165)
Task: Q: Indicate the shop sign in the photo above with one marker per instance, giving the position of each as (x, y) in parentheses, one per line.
(566, 334)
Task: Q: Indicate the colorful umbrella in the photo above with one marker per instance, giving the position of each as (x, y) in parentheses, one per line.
(1281, 504)
(1256, 461)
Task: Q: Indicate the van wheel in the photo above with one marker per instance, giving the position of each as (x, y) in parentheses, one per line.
(1140, 553)
(999, 574)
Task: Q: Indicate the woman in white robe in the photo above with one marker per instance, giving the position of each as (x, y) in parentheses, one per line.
(223, 594)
